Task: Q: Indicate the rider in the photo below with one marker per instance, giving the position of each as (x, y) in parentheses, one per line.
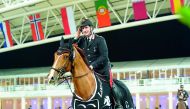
(182, 95)
(96, 51)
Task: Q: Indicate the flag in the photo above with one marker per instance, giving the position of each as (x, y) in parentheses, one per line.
(6, 31)
(68, 20)
(102, 13)
(176, 5)
(139, 9)
(36, 27)
(185, 15)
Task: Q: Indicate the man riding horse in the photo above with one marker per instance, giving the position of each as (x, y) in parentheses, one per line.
(96, 51)
(182, 95)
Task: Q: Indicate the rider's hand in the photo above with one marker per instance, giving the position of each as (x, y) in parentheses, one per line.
(184, 99)
(77, 34)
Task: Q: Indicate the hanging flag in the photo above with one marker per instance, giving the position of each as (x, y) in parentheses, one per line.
(139, 9)
(176, 5)
(102, 13)
(6, 31)
(68, 20)
(36, 27)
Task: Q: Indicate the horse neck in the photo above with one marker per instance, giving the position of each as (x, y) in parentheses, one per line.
(181, 105)
(85, 85)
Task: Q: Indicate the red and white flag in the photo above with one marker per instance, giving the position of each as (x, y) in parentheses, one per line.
(36, 27)
(68, 20)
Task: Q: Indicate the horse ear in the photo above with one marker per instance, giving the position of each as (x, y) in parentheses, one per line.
(62, 42)
(70, 43)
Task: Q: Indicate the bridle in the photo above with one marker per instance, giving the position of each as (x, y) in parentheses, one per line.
(62, 70)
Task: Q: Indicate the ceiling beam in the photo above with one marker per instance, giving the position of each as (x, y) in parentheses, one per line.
(45, 9)
(19, 5)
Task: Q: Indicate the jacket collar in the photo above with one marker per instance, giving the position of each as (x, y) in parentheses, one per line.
(91, 37)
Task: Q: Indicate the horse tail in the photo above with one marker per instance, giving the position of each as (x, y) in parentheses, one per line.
(127, 100)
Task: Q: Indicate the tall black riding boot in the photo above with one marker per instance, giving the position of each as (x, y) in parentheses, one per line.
(187, 107)
(117, 96)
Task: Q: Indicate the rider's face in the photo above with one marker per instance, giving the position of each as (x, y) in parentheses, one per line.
(86, 30)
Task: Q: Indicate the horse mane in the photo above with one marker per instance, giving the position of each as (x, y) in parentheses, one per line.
(82, 54)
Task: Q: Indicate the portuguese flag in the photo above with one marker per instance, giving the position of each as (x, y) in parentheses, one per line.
(102, 13)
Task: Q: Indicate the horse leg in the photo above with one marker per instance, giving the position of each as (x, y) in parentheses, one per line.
(117, 96)
(125, 95)
(187, 107)
(186, 104)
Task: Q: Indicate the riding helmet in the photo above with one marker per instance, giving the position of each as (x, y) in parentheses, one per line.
(181, 86)
(85, 22)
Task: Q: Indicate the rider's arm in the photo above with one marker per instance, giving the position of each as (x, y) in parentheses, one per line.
(77, 37)
(186, 94)
(78, 41)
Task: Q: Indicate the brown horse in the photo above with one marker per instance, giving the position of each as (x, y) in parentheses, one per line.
(181, 104)
(90, 92)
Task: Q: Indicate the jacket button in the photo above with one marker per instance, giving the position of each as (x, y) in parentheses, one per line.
(88, 49)
(89, 61)
(88, 55)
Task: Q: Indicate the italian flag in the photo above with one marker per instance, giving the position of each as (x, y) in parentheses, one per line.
(176, 5)
(102, 13)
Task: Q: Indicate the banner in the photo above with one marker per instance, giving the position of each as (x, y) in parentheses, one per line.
(68, 20)
(176, 5)
(36, 27)
(102, 13)
(6, 31)
(139, 9)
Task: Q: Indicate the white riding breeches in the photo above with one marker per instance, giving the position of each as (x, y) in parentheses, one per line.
(184, 101)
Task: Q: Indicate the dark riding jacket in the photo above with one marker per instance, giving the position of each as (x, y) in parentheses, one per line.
(184, 93)
(96, 52)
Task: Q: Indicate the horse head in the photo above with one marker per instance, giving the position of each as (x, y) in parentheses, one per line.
(63, 58)
(70, 58)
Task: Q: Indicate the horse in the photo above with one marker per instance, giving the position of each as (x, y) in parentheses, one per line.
(181, 105)
(90, 91)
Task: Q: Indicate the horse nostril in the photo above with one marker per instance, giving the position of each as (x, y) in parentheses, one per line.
(52, 78)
